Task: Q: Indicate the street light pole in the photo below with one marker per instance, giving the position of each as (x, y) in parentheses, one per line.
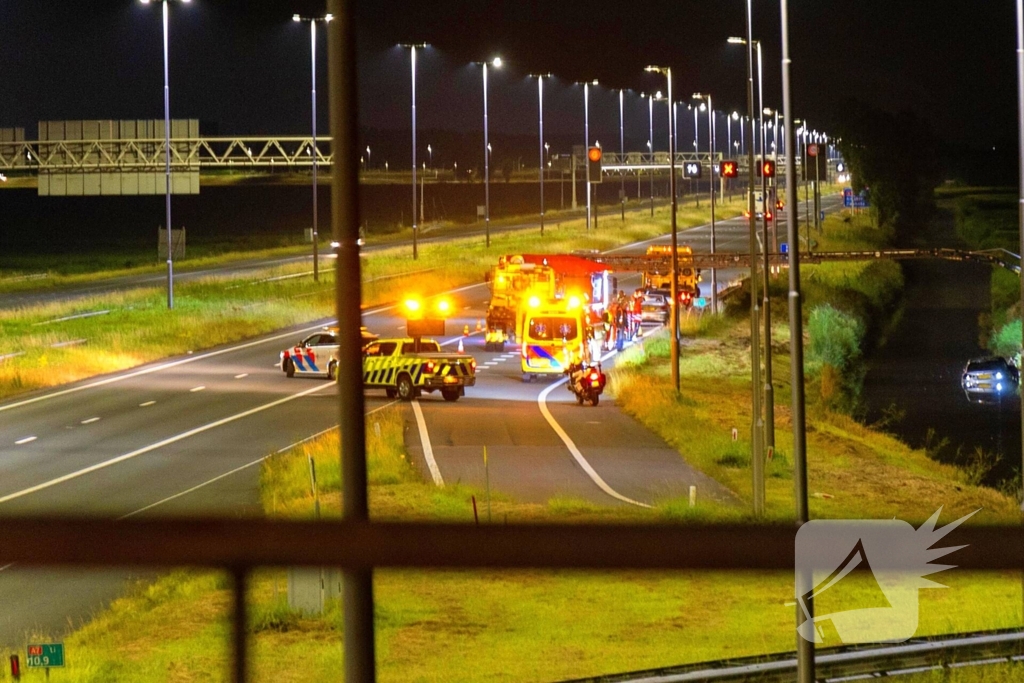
(803, 580)
(711, 184)
(674, 342)
(496, 62)
(756, 424)
(415, 227)
(540, 108)
(650, 143)
(167, 149)
(622, 154)
(316, 223)
(586, 136)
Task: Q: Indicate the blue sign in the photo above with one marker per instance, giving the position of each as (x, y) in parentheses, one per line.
(784, 247)
(860, 202)
(847, 197)
(700, 302)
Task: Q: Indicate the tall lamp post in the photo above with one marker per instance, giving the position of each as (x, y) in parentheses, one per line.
(622, 153)
(674, 343)
(586, 135)
(804, 580)
(496, 63)
(711, 183)
(650, 142)
(412, 47)
(756, 425)
(312, 48)
(543, 146)
(167, 152)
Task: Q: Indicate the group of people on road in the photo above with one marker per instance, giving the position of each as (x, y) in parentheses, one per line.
(618, 323)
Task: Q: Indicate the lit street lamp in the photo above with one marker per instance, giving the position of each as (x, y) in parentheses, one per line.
(711, 163)
(540, 136)
(368, 158)
(586, 135)
(674, 342)
(167, 153)
(316, 223)
(412, 47)
(430, 155)
(496, 63)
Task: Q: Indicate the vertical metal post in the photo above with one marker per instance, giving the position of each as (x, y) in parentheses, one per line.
(674, 346)
(167, 158)
(540, 106)
(415, 226)
(316, 233)
(711, 186)
(756, 424)
(487, 169)
(769, 390)
(586, 141)
(360, 665)
(240, 627)
(1020, 129)
(650, 113)
(805, 648)
(622, 155)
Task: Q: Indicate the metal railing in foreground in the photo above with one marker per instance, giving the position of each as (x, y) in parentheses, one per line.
(241, 545)
(846, 663)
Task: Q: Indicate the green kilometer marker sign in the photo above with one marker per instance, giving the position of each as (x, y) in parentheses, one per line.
(45, 656)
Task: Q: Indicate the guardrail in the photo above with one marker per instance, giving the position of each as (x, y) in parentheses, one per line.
(844, 663)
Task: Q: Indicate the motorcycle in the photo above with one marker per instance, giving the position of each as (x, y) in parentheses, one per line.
(586, 382)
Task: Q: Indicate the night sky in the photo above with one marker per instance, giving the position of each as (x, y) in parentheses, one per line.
(242, 67)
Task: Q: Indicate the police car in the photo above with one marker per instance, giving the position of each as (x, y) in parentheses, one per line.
(317, 354)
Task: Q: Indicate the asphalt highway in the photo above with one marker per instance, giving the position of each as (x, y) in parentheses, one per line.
(185, 436)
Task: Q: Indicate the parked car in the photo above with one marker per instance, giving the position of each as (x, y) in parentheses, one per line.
(654, 309)
(989, 380)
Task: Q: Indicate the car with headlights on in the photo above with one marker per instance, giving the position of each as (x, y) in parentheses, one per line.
(989, 380)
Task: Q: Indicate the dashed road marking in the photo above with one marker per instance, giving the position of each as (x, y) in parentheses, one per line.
(246, 374)
(154, 446)
(27, 439)
(90, 420)
(146, 404)
(195, 389)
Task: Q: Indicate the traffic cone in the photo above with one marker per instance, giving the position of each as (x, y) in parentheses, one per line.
(479, 326)
(465, 331)
(462, 349)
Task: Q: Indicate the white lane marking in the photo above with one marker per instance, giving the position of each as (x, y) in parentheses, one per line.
(246, 374)
(71, 317)
(160, 444)
(580, 460)
(147, 404)
(90, 420)
(500, 360)
(238, 469)
(275, 365)
(195, 389)
(27, 439)
(491, 362)
(428, 451)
